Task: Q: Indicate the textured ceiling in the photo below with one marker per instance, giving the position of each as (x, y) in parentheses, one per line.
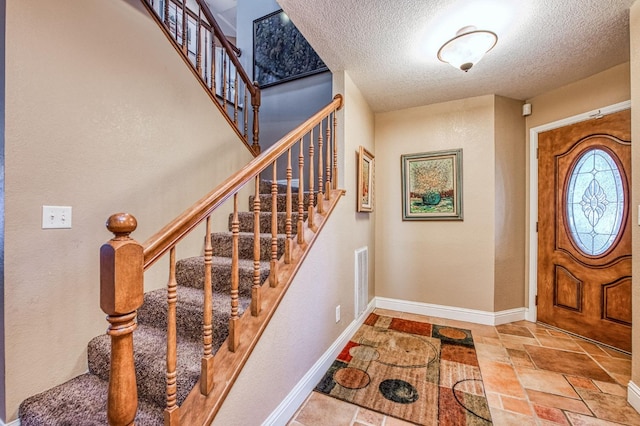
(389, 48)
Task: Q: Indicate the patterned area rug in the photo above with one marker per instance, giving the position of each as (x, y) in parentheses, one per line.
(423, 373)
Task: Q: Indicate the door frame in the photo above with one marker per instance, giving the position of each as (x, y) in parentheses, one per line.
(531, 313)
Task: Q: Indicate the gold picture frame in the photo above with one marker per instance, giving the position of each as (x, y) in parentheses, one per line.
(366, 168)
(432, 185)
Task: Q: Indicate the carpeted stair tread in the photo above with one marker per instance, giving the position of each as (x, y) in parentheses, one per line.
(222, 243)
(80, 401)
(281, 201)
(265, 187)
(246, 222)
(190, 313)
(150, 347)
(190, 273)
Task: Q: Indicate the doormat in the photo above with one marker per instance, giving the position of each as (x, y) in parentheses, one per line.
(423, 373)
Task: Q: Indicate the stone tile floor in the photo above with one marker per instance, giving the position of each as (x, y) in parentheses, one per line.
(533, 375)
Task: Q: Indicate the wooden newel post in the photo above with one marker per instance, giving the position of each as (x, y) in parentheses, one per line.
(121, 294)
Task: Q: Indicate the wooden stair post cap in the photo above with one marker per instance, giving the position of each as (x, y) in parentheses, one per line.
(121, 224)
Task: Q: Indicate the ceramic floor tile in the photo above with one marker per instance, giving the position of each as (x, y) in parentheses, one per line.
(520, 358)
(500, 378)
(563, 403)
(581, 382)
(492, 352)
(550, 414)
(392, 421)
(502, 417)
(516, 405)
(514, 330)
(559, 343)
(517, 342)
(610, 407)
(614, 365)
(321, 410)
(591, 348)
(493, 399)
(611, 388)
(546, 381)
(559, 361)
(616, 354)
(582, 420)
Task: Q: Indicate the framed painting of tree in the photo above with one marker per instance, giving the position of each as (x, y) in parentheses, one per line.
(432, 185)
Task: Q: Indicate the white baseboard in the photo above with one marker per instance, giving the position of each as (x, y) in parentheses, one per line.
(452, 312)
(16, 422)
(633, 395)
(288, 407)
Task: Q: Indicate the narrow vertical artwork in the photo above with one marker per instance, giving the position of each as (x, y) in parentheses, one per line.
(365, 180)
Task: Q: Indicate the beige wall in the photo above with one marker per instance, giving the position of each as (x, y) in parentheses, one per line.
(304, 326)
(101, 115)
(447, 263)
(509, 204)
(635, 196)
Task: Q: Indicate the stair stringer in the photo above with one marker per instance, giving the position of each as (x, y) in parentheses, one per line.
(200, 409)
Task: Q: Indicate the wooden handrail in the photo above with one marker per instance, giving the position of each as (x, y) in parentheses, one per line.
(171, 234)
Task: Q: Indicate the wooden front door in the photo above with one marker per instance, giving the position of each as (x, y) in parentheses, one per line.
(584, 229)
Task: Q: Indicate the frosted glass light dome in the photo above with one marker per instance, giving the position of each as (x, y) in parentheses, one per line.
(467, 47)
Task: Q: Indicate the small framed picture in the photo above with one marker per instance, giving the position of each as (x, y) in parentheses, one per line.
(365, 180)
(432, 185)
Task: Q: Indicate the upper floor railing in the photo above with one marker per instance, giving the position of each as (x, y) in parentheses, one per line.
(214, 59)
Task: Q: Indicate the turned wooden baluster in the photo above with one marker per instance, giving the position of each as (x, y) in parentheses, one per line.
(301, 192)
(327, 184)
(273, 274)
(310, 219)
(256, 303)
(335, 151)
(234, 332)
(245, 116)
(121, 294)
(198, 45)
(213, 64)
(206, 367)
(320, 203)
(185, 18)
(255, 103)
(225, 86)
(288, 241)
(235, 99)
(172, 412)
(167, 23)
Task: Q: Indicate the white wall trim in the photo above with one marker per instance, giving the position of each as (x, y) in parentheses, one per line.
(288, 407)
(633, 395)
(452, 312)
(16, 422)
(531, 312)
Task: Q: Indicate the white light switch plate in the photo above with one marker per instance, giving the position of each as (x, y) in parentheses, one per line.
(56, 217)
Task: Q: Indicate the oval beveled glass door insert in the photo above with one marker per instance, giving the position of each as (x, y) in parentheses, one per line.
(595, 202)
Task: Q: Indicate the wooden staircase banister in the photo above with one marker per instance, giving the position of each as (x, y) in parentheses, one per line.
(123, 262)
(159, 243)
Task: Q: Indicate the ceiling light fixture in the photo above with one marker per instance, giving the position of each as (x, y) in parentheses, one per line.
(467, 47)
